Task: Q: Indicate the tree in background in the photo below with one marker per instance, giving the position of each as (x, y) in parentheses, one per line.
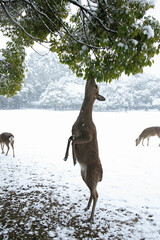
(96, 38)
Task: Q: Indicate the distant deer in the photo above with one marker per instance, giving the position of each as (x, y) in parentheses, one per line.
(147, 133)
(6, 139)
(85, 145)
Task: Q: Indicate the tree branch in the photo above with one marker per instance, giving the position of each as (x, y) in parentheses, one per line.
(17, 24)
(67, 31)
(40, 13)
(93, 15)
(39, 53)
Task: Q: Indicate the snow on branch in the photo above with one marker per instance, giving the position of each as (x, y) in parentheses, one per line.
(91, 13)
(17, 24)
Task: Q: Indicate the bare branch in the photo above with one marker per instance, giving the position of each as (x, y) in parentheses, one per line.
(93, 15)
(39, 14)
(106, 13)
(38, 52)
(73, 37)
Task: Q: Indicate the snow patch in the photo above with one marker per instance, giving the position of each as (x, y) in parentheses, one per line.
(148, 31)
(49, 195)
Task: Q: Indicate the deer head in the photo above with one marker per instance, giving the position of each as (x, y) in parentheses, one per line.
(92, 90)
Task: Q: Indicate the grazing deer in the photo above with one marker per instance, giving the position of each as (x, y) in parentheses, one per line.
(85, 145)
(6, 139)
(147, 133)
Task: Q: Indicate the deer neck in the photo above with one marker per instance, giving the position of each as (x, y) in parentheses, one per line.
(86, 109)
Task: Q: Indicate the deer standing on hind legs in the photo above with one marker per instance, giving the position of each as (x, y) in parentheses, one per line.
(85, 145)
(6, 139)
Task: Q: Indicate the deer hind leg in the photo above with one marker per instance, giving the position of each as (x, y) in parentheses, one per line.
(84, 175)
(89, 202)
(94, 197)
(159, 137)
(12, 144)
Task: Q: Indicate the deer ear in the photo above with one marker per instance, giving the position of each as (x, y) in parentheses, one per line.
(100, 98)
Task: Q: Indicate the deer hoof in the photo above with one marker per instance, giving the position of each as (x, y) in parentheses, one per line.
(90, 220)
(86, 209)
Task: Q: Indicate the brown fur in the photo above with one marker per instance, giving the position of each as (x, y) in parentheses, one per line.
(7, 138)
(85, 145)
(147, 133)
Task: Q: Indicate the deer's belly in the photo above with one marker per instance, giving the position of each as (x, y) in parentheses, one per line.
(83, 171)
(86, 153)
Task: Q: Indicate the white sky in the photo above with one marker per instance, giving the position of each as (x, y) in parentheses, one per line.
(154, 69)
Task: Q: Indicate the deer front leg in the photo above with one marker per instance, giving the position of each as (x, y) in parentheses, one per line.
(79, 140)
(67, 150)
(7, 144)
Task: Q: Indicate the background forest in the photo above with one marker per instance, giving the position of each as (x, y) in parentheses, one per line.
(49, 84)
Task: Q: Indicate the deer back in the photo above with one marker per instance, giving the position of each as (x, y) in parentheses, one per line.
(5, 137)
(151, 131)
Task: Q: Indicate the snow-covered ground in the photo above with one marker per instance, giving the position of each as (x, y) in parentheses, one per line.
(43, 197)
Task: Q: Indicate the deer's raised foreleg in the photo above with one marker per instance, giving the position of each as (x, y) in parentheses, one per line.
(67, 150)
(79, 140)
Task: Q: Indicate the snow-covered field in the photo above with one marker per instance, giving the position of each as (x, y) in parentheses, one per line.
(43, 197)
